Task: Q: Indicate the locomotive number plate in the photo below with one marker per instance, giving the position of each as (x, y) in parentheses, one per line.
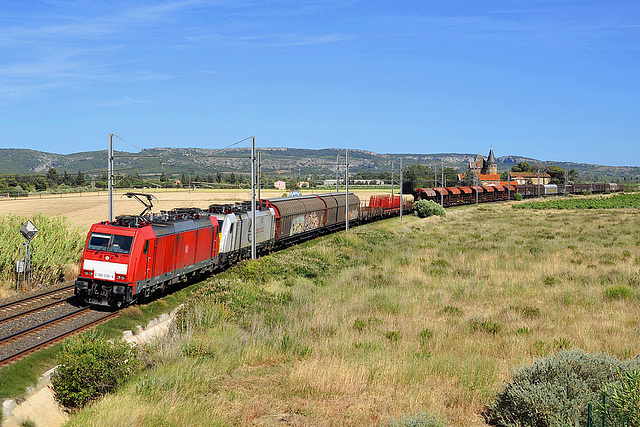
(104, 275)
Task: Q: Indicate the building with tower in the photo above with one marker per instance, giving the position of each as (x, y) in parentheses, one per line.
(485, 169)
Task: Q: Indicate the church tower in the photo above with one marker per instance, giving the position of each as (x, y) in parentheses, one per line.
(492, 164)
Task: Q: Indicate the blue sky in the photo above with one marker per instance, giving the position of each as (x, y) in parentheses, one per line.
(552, 80)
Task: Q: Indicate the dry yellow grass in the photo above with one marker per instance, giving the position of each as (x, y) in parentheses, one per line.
(84, 209)
(426, 315)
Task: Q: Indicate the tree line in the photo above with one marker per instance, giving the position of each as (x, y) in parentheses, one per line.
(414, 176)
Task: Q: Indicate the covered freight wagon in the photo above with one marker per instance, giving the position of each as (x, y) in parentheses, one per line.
(335, 205)
(297, 218)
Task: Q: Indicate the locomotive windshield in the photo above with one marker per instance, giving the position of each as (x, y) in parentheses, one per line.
(110, 243)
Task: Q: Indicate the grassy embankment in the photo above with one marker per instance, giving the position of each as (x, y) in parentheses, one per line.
(392, 319)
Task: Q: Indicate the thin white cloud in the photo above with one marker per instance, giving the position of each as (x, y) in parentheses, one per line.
(273, 40)
(67, 49)
(124, 101)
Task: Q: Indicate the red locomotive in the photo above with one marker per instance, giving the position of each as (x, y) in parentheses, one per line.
(135, 256)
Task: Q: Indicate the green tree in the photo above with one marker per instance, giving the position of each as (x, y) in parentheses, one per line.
(53, 178)
(40, 183)
(572, 175)
(66, 178)
(416, 176)
(522, 167)
(556, 173)
(468, 179)
(292, 184)
(451, 177)
(163, 177)
(80, 180)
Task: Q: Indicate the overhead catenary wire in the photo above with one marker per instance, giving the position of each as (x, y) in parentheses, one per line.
(111, 156)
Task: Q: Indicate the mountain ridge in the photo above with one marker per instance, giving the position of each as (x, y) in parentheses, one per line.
(282, 160)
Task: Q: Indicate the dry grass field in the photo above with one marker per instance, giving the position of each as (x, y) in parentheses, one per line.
(392, 320)
(84, 209)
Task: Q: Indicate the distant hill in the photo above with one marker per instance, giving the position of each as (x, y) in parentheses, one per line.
(286, 161)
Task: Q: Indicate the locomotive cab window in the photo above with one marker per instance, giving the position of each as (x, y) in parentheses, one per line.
(121, 244)
(99, 242)
(110, 243)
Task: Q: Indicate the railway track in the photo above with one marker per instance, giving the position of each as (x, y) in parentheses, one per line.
(38, 321)
(30, 303)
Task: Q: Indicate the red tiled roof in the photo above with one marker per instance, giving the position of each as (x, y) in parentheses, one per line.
(489, 177)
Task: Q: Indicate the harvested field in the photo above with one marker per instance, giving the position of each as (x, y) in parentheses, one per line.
(84, 209)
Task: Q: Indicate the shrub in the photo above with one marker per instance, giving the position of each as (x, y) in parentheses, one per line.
(452, 310)
(622, 400)
(362, 324)
(555, 390)
(425, 208)
(90, 366)
(393, 336)
(617, 292)
(425, 336)
(530, 312)
(421, 420)
(485, 325)
(517, 196)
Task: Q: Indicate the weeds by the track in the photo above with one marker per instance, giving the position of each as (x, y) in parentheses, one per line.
(55, 251)
(392, 320)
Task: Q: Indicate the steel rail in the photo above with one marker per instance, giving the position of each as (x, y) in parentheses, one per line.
(33, 310)
(32, 297)
(19, 355)
(42, 325)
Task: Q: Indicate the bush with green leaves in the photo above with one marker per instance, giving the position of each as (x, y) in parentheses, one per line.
(622, 400)
(425, 208)
(556, 390)
(517, 196)
(89, 367)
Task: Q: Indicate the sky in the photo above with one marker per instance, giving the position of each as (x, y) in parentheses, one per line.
(548, 79)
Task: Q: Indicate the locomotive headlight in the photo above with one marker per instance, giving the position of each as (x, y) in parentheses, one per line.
(121, 277)
(88, 273)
